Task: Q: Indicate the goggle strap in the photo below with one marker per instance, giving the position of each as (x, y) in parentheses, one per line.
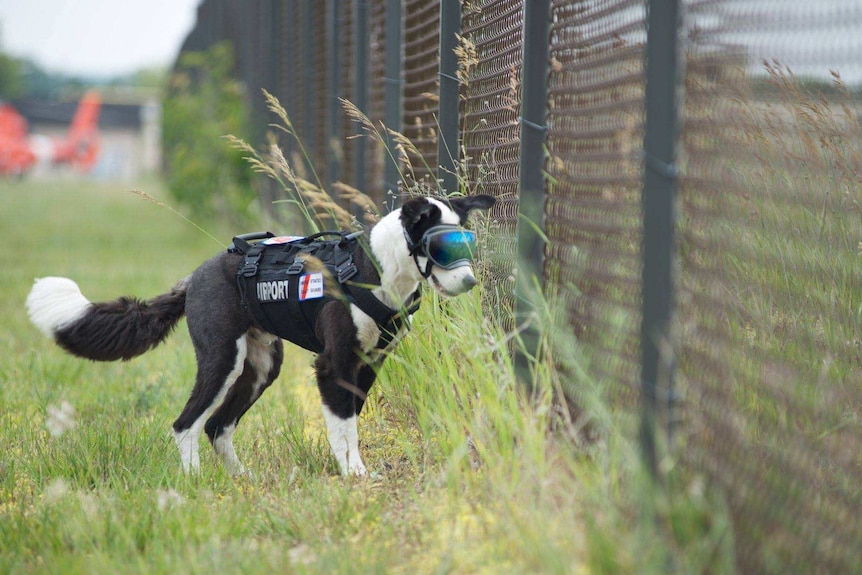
(413, 248)
(427, 273)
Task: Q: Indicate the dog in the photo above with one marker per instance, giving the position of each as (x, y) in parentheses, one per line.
(237, 359)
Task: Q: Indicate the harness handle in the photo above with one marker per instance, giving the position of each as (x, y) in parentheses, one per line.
(240, 243)
(251, 236)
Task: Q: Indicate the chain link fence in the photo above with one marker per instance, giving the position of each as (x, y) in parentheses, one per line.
(765, 349)
(592, 214)
(769, 302)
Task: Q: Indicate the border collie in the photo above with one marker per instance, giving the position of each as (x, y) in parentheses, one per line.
(237, 359)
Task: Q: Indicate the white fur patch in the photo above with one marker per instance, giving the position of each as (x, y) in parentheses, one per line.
(188, 441)
(367, 331)
(223, 446)
(259, 355)
(447, 214)
(54, 303)
(344, 441)
(399, 276)
(450, 283)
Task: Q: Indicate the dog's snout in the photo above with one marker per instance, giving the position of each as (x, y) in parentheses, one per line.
(469, 282)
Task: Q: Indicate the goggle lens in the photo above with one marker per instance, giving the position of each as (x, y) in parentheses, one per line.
(450, 248)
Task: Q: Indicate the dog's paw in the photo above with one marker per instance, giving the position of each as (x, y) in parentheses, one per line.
(357, 469)
(243, 474)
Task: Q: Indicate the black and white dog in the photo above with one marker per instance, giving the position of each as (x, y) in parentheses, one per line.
(237, 359)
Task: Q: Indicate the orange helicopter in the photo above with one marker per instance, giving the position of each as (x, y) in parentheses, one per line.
(21, 151)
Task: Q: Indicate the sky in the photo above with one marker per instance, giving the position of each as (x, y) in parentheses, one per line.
(96, 38)
(105, 38)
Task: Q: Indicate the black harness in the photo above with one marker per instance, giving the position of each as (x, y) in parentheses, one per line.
(285, 282)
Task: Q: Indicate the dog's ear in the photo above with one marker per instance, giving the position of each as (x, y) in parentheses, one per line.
(416, 212)
(464, 205)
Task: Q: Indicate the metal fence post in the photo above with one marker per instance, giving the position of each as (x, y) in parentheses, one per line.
(273, 10)
(360, 69)
(310, 108)
(333, 133)
(448, 111)
(288, 39)
(392, 116)
(659, 192)
(531, 184)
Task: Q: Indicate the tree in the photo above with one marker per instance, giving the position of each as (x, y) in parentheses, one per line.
(11, 81)
(204, 104)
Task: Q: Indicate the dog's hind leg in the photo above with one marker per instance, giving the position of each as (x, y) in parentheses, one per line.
(262, 365)
(219, 366)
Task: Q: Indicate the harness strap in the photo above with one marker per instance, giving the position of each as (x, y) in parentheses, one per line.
(415, 249)
(369, 304)
(245, 278)
(397, 321)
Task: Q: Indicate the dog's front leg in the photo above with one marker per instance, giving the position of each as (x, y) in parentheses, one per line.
(344, 441)
(336, 375)
(338, 367)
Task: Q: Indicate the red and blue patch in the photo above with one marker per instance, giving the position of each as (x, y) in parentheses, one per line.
(310, 286)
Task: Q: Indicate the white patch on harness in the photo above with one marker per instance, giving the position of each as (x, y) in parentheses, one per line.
(311, 286)
(280, 240)
(272, 291)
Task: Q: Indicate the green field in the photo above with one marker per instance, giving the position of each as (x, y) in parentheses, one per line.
(467, 476)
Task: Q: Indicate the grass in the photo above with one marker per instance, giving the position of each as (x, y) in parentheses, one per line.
(468, 475)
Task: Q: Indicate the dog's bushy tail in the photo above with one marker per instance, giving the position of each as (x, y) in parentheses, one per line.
(119, 329)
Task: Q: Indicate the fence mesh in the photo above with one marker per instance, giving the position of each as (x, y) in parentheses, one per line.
(288, 91)
(422, 88)
(341, 141)
(595, 119)
(769, 300)
(767, 331)
(491, 62)
(376, 155)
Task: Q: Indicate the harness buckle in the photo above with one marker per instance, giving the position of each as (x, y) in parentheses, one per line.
(249, 266)
(296, 266)
(346, 271)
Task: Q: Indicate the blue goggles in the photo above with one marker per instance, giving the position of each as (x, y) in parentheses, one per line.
(448, 246)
